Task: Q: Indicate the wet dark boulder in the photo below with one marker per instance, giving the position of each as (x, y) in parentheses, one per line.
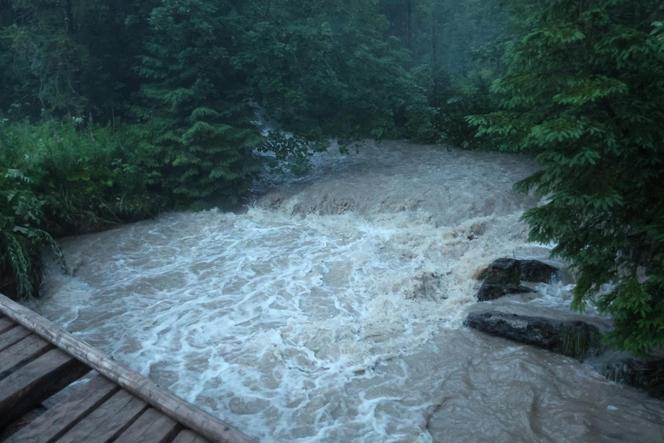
(501, 278)
(575, 335)
(502, 271)
(504, 276)
(573, 338)
(492, 291)
(536, 271)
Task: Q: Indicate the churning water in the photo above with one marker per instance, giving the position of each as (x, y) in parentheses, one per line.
(332, 309)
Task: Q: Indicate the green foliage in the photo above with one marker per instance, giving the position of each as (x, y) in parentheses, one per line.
(326, 68)
(87, 178)
(584, 92)
(348, 69)
(454, 101)
(21, 240)
(68, 58)
(205, 147)
(57, 179)
(456, 50)
(287, 153)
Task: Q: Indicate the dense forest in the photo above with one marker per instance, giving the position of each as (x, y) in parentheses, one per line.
(113, 111)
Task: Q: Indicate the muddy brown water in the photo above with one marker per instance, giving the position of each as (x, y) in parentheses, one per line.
(332, 309)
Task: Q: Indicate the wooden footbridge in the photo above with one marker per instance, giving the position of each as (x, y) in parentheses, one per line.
(56, 388)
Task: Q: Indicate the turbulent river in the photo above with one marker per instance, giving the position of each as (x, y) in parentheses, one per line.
(331, 309)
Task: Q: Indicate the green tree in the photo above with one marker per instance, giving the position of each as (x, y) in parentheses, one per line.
(194, 102)
(584, 90)
(69, 58)
(45, 63)
(326, 68)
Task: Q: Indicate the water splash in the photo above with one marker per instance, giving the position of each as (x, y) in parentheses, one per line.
(331, 309)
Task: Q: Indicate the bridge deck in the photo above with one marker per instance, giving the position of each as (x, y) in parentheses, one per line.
(56, 388)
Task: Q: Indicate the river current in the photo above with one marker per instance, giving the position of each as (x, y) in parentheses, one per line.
(331, 309)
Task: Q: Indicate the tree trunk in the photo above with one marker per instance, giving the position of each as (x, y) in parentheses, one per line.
(69, 18)
(434, 51)
(409, 24)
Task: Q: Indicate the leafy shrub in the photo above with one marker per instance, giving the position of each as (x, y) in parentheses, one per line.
(57, 179)
(458, 98)
(87, 177)
(287, 153)
(21, 240)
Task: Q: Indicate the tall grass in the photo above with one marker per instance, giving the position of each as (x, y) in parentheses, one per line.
(58, 179)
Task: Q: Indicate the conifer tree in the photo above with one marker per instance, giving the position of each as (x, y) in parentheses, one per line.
(206, 148)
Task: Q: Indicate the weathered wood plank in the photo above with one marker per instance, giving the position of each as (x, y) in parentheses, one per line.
(56, 421)
(189, 437)
(151, 427)
(20, 423)
(13, 336)
(5, 324)
(26, 387)
(108, 421)
(22, 352)
(187, 414)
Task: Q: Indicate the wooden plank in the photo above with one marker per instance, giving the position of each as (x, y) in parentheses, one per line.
(22, 352)
(5, 324)
(21, 422)
(26, 387)
(56, 421)
(189, 437)
(151, 427)
(13, 336)
(185, 413)
(108, 421)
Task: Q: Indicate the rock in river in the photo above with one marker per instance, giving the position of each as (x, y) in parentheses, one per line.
(537, 271)
(504, 276)
(570, 334)
(573, 338)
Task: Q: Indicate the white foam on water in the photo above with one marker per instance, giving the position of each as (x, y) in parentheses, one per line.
(332, 309)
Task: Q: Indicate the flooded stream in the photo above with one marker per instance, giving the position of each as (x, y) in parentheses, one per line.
(331, 310)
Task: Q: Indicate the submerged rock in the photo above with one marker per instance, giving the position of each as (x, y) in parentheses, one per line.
(573, 338)
(504, 276)
(643, 373)
(537, 272)
(426, 285)
(491, 291)
(502, 271)
(572, 335)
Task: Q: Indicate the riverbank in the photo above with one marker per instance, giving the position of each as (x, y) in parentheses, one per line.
(58, 179)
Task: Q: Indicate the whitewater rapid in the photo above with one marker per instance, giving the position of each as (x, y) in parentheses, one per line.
(331, 308)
